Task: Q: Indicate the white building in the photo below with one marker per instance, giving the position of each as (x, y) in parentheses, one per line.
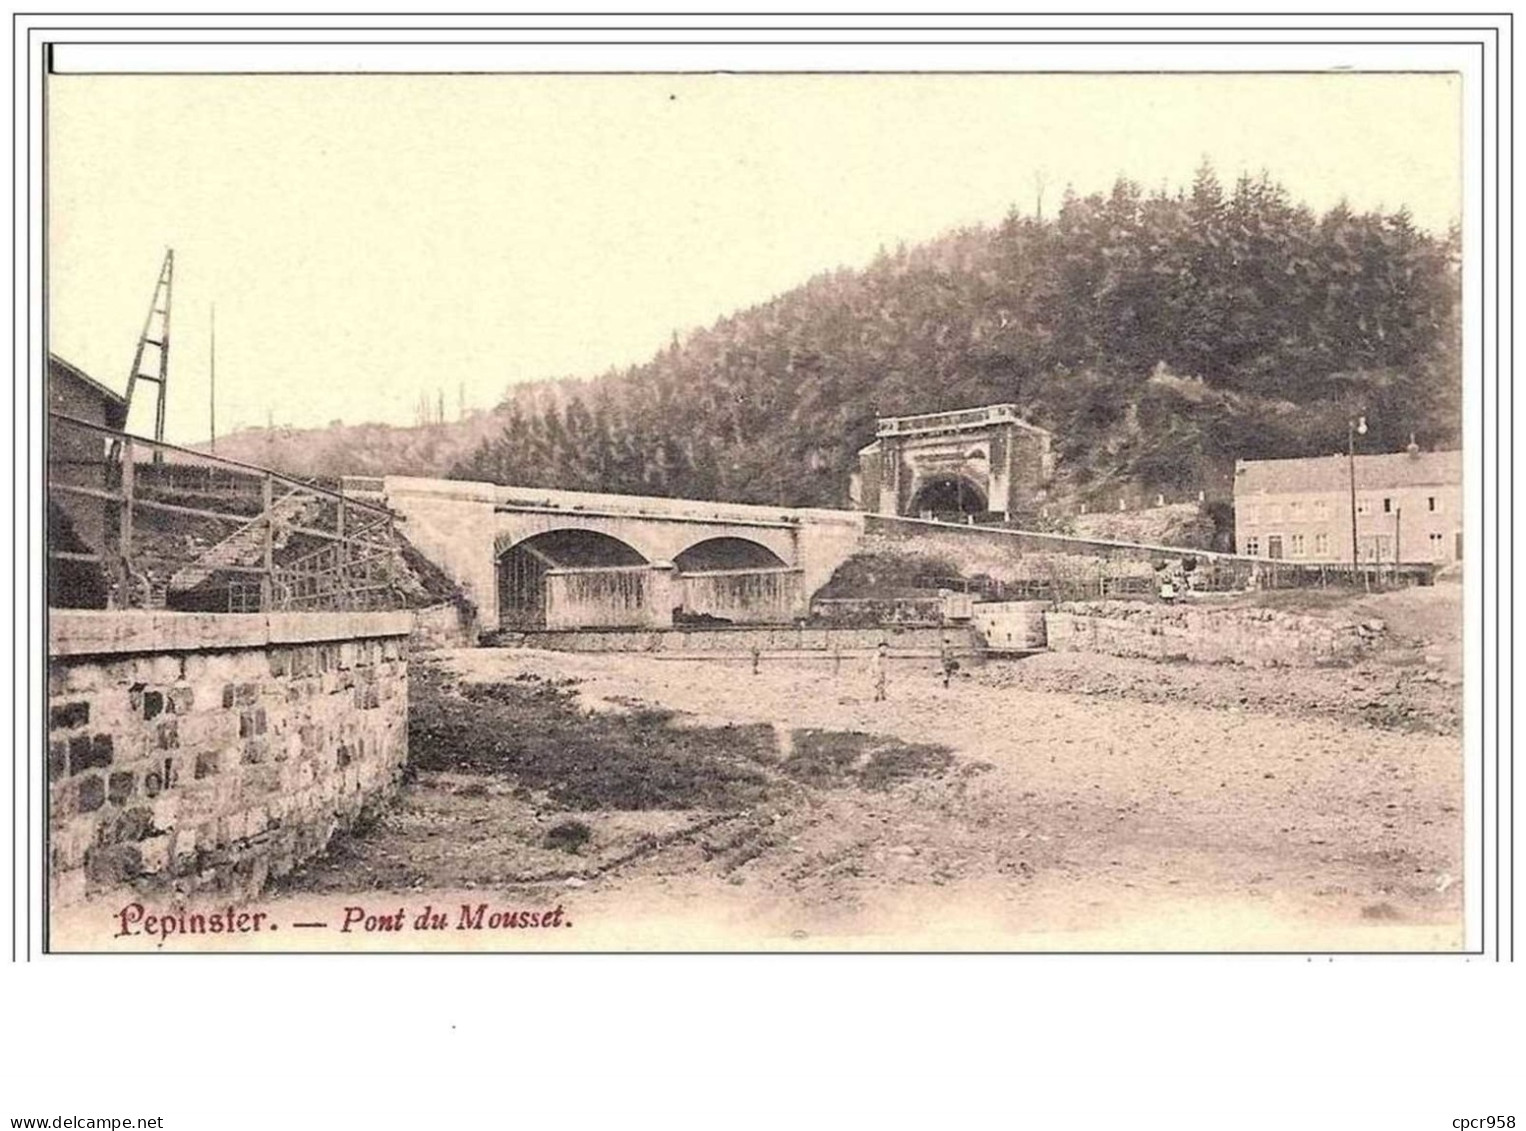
(1408, 507)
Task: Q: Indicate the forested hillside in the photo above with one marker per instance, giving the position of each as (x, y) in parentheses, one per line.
(1160, 336)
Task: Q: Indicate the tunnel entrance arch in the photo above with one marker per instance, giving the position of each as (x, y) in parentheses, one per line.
(948, 494)
(523, 566)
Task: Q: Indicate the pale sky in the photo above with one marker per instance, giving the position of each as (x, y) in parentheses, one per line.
(366, 238)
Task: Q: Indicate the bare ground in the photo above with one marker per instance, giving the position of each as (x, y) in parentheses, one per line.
(1061, 802)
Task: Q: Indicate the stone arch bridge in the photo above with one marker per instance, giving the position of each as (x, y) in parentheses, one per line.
(530, 558)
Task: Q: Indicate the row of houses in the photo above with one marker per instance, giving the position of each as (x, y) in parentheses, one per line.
(1401, 506)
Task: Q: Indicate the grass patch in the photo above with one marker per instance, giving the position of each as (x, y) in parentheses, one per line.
(569, 836)
(532, 732)
(838, 759)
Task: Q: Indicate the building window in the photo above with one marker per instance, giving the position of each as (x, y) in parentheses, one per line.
(1274, 513)
(1253, 546)
(1438, 547)
(1250, 515)
(1321, 545)
(1364, 506)
(1432, 504)
(1295, 512)
(1297, 545)
(1321, 509)
(1388, 506)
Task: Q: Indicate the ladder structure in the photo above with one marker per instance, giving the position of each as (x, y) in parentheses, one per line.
(156, 334)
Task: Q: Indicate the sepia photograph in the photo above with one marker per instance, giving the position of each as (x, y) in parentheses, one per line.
(755, 512)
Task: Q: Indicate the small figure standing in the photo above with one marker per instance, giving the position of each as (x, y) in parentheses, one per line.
(949, 664)
(756, 656)
(881, 658)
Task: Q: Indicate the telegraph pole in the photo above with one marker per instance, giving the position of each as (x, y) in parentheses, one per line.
(212, 398)
(1354, 428)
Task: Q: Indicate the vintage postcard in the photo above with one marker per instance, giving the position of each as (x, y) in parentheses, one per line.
(757, 512)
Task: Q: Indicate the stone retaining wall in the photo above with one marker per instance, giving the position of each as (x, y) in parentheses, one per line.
(743, 640)
(1252, 636)
(191, 751)
(868, 612)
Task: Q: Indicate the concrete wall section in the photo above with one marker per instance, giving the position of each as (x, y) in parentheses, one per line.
(205, 752)
(1011, 626)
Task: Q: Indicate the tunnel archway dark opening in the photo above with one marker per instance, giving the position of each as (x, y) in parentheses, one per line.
(948, 494)
(726, 553)
(522, 570)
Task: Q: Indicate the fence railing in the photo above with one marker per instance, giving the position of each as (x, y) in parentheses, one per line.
(139, 523)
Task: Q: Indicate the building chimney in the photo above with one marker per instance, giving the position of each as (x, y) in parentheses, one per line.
(1414, 448)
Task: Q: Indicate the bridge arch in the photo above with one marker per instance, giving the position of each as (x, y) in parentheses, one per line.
(726, 553)
(945, 493)
(737, 580)
(522, 566)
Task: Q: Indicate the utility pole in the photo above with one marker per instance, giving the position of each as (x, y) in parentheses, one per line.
(1354, 428)
(212, 396)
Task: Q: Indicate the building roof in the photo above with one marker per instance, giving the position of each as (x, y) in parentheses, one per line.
(1323, 474)
(59, 369)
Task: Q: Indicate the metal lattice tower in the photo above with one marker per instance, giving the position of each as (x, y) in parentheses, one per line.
(156, 333)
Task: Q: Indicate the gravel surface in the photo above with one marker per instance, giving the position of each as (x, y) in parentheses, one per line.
(1062, 820)
(1063, 802)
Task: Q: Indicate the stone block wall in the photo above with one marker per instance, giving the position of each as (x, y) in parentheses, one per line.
(741, 641)
(1254, 637)
(191, 751)
(867, 612)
